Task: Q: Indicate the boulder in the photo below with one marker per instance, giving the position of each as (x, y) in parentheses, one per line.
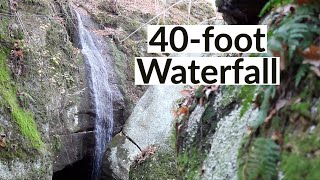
(149, 124)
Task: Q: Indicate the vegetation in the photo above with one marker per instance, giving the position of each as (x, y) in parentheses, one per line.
(190, 162)
(8, 87)
(8, 92)
(281, 131)
(161, 165)
(246, 94)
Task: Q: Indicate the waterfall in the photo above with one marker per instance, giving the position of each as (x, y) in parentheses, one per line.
(101, 94)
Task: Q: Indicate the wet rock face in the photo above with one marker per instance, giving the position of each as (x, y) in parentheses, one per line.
(240, 11)
(72, 148)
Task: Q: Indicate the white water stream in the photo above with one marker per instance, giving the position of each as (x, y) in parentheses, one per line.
(101, 94)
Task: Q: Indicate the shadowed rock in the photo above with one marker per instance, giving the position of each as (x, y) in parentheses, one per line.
(240, 11)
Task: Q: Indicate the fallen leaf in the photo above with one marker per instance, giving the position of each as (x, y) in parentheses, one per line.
(312, 53)
(183, 110)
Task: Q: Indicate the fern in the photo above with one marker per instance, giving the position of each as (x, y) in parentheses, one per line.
(258, 156)
(302, 71)
(262, 160)
(297, 31)
(246, 94)
(268, 94)
(271, 4)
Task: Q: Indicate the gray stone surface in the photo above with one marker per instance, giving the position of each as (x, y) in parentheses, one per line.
(221, 162)
(149, 124)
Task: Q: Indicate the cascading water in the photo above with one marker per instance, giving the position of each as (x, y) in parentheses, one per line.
(101, 94)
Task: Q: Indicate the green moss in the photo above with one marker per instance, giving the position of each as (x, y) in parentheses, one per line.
(120, 62)
(246, 94)
(302, 108)
(4, 30)
(189, 163)
(23, 118)
(301, 162)
(173, 139)
(208, 114)
(199, 92)
(229, 94)
(6, 154)
(161, 165)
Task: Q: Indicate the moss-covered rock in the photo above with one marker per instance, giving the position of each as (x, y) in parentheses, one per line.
(161, 165)
(301, 159)
(49, 92)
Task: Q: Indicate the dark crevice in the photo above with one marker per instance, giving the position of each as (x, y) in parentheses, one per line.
(131, 140)
(79, 170)
(89, 130)
(241, 11)
(90, 113)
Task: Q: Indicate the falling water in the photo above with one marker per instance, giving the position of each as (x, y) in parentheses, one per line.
(101, 94)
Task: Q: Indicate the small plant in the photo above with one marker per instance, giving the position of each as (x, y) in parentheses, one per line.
(145, 154)
(261, 162)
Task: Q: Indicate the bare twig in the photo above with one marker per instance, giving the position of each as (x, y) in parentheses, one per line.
(189, 11)
(152, 20)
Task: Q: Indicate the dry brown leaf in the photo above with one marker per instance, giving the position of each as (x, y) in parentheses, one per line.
(145, 154)
(312, 53)
(183, 110)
